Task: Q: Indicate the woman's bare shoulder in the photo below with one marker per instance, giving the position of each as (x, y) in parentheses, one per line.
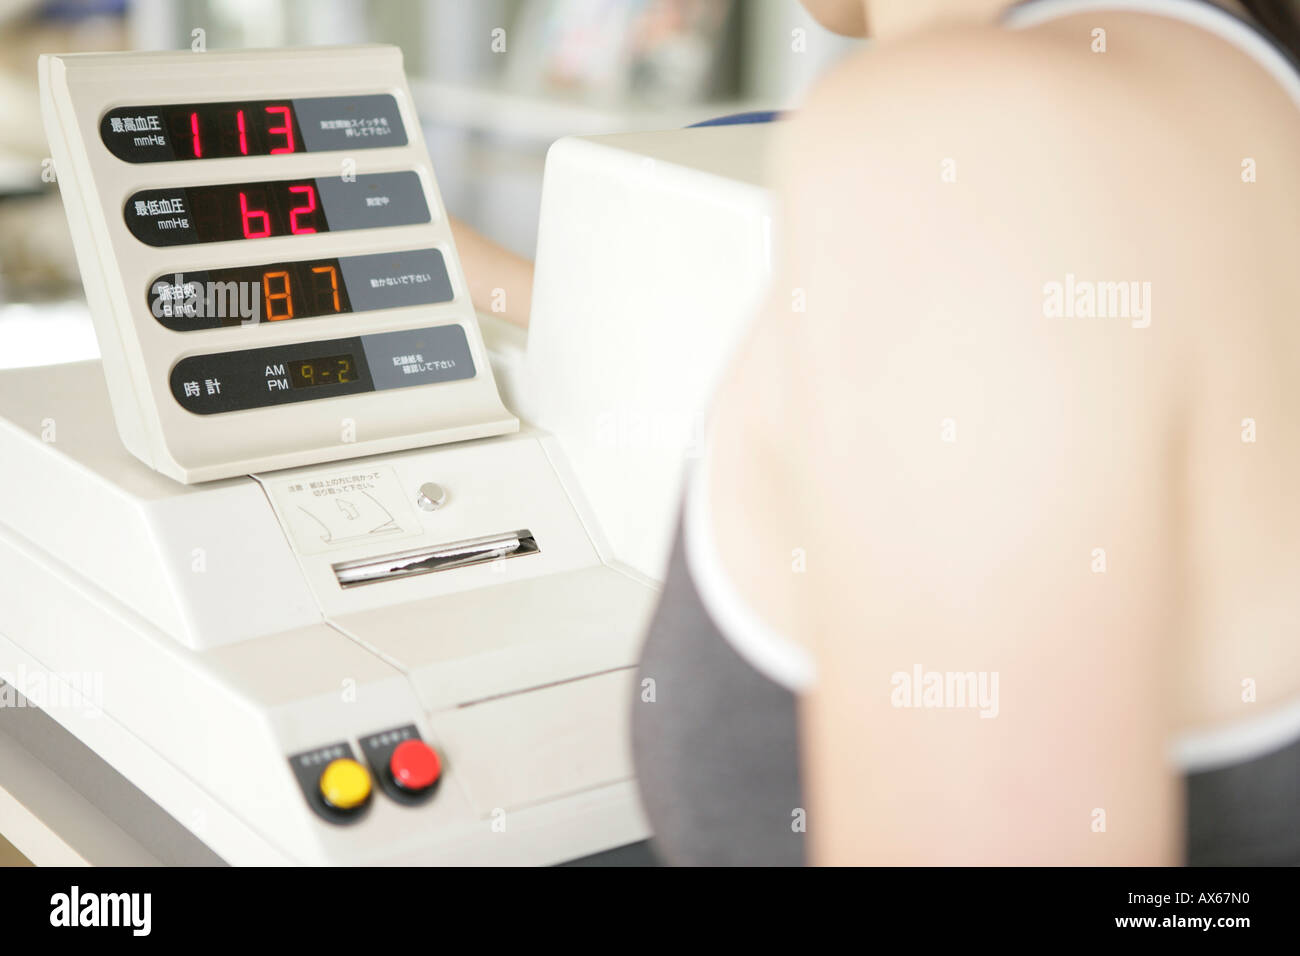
(996, 409)
(919, 189)
(1008, 260)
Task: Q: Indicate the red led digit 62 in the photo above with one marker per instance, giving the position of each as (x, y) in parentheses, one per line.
(219, 212)
(308, 194)
(258, 223)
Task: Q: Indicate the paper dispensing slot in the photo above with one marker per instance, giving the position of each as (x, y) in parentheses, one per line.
(440, 557)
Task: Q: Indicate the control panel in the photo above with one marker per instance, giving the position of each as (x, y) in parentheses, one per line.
(216, 201)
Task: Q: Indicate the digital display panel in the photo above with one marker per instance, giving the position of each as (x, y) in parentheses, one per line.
(261, 210)
(308, 288)
(221, 382)
(219, 131)
(177, 132)
(331, 370)
(254, 210)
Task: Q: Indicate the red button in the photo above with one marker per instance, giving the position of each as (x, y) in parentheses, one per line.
(415, 765)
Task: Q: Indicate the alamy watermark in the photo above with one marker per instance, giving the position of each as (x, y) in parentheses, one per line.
(952, 690)
(50, 691)
(1085, 299)
(182, 298)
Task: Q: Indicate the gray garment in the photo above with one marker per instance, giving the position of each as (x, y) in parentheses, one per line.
(1246, 814)
(716, 755)
(718, 764)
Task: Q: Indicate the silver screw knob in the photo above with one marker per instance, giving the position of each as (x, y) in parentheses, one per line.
(432, 496)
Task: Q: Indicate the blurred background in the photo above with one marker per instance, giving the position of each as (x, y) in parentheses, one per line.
(495, 83)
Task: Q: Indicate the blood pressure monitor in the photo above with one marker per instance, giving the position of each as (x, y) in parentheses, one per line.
(266, 257)
(425, 653)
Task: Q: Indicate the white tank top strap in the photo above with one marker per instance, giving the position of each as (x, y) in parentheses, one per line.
(1197, 751)
(769, 652)
(1200, 13)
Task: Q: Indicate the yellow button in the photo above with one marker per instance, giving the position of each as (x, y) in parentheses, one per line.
(345, 784)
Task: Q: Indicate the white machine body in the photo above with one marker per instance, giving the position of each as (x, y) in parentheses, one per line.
(188, 630)
(204, 640)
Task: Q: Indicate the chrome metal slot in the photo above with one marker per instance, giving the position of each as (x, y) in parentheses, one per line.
(441, 557)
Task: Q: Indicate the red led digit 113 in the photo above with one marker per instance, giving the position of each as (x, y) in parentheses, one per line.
(285, 129)
(278, 131)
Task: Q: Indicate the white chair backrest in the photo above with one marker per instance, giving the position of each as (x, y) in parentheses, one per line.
(654, 251)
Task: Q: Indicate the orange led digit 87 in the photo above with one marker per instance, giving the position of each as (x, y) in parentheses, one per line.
(334, 282)
(274, 296)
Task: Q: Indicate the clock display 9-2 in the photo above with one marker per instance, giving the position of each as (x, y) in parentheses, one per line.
(332, 370)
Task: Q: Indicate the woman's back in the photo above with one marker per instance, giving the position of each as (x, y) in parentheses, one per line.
(1024, 407)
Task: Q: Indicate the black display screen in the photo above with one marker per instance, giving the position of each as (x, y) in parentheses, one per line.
(247, 211)
(189, 131)
(221, 130)
(286, 207)
(300, 289)
(284, 290)
(221, 382)
(331, 370)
